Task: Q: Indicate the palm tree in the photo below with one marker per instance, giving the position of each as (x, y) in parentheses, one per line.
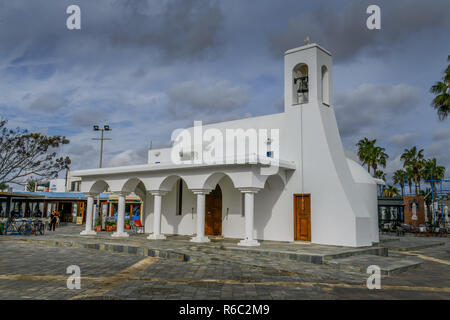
(441, 89)
(377, 157)
(409, 178)
(379, 174)
(364, 149)
(371, 154)
(399, 178)
(430, 165)
(391, 191)
(414, 159)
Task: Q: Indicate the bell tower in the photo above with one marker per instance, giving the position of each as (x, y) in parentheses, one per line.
(307, 72)
(338, 213)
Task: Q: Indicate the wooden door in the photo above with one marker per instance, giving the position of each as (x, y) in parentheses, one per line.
(213, 213)
(302, 217)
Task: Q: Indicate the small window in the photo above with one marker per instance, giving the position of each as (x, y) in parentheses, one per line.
(325, 86)
(179, 210)
(300, 84)
(242, 204)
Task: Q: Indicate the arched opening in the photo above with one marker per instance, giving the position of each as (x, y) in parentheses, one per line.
(325, 86)
(169, 182)
(271, 212)
(100, 204)
(98, 187)
(178, 207)
(300, 84)
(213, 212)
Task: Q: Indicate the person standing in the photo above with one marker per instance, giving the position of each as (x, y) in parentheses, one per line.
(52, 221)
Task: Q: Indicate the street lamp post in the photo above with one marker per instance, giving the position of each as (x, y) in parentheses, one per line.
(97, 128)
(105, 128)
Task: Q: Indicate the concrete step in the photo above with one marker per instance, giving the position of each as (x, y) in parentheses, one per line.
(385, 240)
(412, 245)
(112, 247)
(316, 257)
(388, 265)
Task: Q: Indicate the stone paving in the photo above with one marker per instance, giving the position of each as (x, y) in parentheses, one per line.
(31, 270)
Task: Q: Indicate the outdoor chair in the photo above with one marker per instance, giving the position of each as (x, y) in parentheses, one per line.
(137, 227)
(385, 228)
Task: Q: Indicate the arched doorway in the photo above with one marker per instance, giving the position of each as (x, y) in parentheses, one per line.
(213, 212)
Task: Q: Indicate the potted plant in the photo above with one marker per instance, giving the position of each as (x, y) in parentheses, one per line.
(127, 224)
(109, 226)
(98, 224)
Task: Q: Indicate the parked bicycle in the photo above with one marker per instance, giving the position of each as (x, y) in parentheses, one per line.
(24, 227)
(38, 227)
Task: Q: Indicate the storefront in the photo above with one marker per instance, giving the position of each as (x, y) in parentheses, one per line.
(390, 210)
(133, 206)
(23, 205)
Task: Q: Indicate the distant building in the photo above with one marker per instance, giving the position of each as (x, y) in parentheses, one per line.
(68, 184)
(408, 209)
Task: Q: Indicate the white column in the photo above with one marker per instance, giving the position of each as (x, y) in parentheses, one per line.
(249, 194)
(200, 216)
(89, 208)
(120, 233)
(157, 200)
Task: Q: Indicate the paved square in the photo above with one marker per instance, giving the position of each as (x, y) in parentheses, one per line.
(32, 269)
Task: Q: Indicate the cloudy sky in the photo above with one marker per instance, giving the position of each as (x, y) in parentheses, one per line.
(149, 67)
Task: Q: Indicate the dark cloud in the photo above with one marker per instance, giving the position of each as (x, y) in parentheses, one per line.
(343, 31)
(441, 134)
(172, 29)
(87, 117)
(182, 29)
(48, 102)
(373, 105)
(403, 139)
(219, 98)
(440, 151)
(149, 67)
(128, 157)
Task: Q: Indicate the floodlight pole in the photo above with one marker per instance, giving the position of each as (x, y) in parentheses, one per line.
(101, 143)
(101, 149)
(97, 128)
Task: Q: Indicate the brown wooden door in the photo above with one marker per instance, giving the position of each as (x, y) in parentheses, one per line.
(213, 213)
(302, 217)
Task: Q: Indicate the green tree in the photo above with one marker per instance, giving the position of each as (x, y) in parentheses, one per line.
(379, 174)
(431, 165)
(399, 178)
(25, 155)
(409, 178)
(413, 159)
(377, 157)
(371, 154)
(391, 191)
(441, 90)
(364, 148)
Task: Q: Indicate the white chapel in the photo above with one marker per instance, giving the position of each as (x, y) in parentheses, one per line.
(294, 184)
